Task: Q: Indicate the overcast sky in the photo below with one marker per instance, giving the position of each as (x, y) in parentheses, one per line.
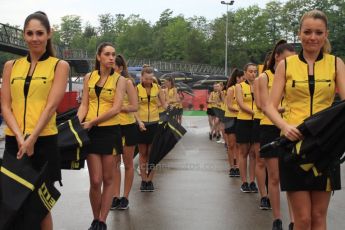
(14, 12)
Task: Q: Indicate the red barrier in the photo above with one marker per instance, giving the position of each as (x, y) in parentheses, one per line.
(196, 102)
(69, 101)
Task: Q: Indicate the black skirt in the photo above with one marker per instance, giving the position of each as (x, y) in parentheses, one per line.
(244, 130)
(268, 133)
(105, 140)
(218, 112)
(294, 178)
(230, 125)
(210, 112)
(256, 131)
(45, 150)
(146, 137)
(129, 134)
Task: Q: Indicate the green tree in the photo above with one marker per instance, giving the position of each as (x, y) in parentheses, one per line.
(70, 27)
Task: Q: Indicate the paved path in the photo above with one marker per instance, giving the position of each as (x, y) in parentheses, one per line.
(193, 191)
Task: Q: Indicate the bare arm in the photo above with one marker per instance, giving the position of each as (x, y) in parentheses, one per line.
(132, 98)
(55, 96)
(257, 99)
(115, 109)
(84, 105)
(340, 78)
(271, 108)
(229, 98)
(239, 99)
(161, 98)
(6, 103)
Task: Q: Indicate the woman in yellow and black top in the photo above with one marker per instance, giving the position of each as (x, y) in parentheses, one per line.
(129, 135)
(269, 132)
(103, 94)
(244, 127)
(179, 105)
(32, 88)
(149, 95)
(171, 95)
(308, 83)
(210, 112)
(231, 112)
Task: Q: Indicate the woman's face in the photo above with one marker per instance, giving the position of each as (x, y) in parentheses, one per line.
(251, 72)
(147, 79)
(167, 84)
(36, 36)
(313, 34)
(239, 79)
(118, 69)
(107, 57)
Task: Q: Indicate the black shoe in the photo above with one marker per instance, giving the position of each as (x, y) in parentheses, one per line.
(232, 172)
(123, 203)
(150, 187)
(143, 186)
(210, 136)
(245, 187)
(237, 172)
(101, 226)
(269, 204)
(253, 188)
(94, 225)
(291, 226)
(277, 225)
(264, 203)
(115, 203)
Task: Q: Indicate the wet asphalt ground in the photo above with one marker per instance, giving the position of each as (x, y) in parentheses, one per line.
(193, 191)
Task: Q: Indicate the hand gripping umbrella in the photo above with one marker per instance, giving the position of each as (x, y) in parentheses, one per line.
(169, 132)
(323, 146)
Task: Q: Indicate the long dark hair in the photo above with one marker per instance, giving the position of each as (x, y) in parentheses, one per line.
(279, 48)
(121, 62)
(42, 17)
(99, 51)
(233, 77)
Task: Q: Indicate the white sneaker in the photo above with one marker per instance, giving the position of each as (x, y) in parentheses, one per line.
(138, 171)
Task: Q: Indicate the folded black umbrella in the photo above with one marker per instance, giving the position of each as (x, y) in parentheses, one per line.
(71, 140)
(18, 179)
(71, 134)
(169, 132)
(62, 117)
(37, 205)
(184, 88)
(322, 148)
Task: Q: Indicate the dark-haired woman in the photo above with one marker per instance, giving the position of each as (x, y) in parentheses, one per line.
(308, 83)
(129, 134)
(102, 100)
(244, 127)
(149, 96)
(32, 88)
(269, 132)
(211, 100)
(230, 121)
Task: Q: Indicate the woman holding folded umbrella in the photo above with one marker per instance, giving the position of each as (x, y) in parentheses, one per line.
(149, 96)
(268, 131)
(29, 101)
(129, 136)
(308, 83)
(102, 100)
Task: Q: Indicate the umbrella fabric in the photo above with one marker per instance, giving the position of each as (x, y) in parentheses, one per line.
(37, 205)
(71, 140)
(321, 150)
(168, 134)
(62, 117)
(71, 134)
(184, 88)
(16, 177)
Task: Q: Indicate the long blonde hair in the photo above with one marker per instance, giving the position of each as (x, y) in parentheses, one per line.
(317, 14)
